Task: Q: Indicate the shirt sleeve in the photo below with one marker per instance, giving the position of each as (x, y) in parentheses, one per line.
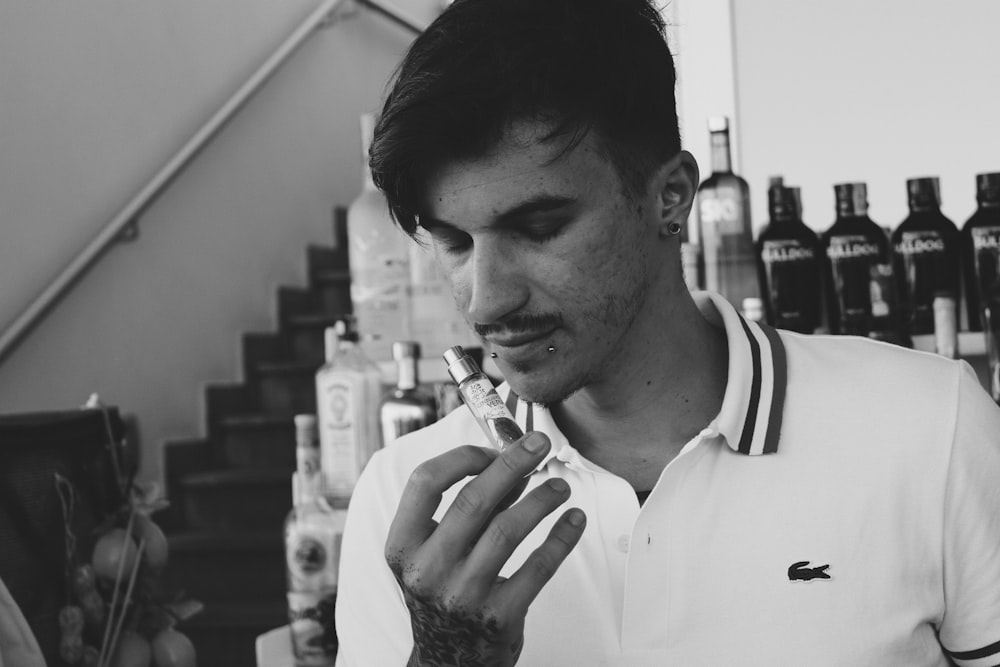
(373, 624)
(970, 629)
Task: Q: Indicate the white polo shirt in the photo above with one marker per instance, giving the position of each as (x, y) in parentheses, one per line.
(843, 508)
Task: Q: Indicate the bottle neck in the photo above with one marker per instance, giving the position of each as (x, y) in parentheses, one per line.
(721, 157)
(407, 373)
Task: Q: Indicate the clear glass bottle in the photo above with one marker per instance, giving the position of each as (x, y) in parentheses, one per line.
(724, 228)
(925, 248)
(858, 259)
(348, 391)
(379, 258)
(408, 406)
(788, 260)
(312, 534)
(980, 240)
(436, 321)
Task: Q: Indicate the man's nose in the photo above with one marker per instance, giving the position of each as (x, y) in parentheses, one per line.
(495, 284)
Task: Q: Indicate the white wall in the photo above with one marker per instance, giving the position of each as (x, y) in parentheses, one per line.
(867, 90)
(97, 95)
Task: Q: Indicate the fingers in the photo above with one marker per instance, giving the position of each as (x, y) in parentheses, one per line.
(414, 522)
(477, 501)
(508, 529)
(524, 585)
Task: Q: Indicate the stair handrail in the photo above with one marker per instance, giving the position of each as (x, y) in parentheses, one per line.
(129, 214)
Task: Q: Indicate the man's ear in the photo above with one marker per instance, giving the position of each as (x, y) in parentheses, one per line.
(676, 183)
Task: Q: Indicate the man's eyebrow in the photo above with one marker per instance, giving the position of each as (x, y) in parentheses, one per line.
(538, 204)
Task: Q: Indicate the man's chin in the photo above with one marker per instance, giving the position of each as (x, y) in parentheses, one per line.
(538, 386)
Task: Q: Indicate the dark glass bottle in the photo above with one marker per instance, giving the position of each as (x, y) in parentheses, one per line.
(925, 248)
(725, 233)
(788, 261)
(980, 240)
(855, 247)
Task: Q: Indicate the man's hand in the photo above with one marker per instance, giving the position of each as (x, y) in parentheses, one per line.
(461, 611)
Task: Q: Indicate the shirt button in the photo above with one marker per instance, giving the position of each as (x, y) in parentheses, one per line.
(623, 541)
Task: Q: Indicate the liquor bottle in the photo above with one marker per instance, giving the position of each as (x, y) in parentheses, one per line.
(379, 258)
(925, 248)
(726, 237)
(980, 237)
(408, 407)
(788, 260)
(312, 535)
(857, 256)
(348, 391)
(436, 321)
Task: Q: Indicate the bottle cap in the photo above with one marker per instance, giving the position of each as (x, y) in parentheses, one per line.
(460, 365)
(405, 349)
(781, 201)
(988, 188)
(924, 192)
(718, 124)
(852, 198)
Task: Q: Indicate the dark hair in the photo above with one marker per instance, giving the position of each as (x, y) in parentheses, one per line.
(581, 65)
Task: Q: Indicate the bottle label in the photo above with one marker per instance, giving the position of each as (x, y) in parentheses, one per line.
(785, 250)
(986, 238)
(920, 243)
(986, 258)
(851, 247)
(312, 553)
(723, 212)
(339, 430)
(313, 629)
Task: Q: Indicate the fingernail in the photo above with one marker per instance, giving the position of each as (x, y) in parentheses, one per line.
(534, 443)
(576, 517)
(558, 485)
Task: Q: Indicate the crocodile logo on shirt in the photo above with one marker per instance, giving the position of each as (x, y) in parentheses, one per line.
(800, 572)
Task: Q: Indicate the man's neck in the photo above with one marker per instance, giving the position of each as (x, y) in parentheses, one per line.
(635, 420)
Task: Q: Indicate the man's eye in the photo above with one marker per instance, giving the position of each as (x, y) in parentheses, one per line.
(451, 241)
(542, 233)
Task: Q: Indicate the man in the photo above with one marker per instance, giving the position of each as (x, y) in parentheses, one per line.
(700, 490)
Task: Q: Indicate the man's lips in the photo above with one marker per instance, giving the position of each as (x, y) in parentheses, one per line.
(518, 339)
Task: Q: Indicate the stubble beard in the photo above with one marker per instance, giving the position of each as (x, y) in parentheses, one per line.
(615, 315)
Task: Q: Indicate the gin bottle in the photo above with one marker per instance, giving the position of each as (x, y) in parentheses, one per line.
(348, 391)
(313, 531)
(925, 249)
(857, 255)
(980, 240)
(789, 256)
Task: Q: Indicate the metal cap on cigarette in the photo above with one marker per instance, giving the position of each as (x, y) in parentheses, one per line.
(460, 364)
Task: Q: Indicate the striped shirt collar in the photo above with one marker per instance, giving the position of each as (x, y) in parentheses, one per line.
(751, 413)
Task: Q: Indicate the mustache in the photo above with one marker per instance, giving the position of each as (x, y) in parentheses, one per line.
(516, 324)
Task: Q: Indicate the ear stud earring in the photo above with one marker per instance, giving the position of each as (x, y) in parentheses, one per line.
(673, 228)
(551, 348)
(493, 355)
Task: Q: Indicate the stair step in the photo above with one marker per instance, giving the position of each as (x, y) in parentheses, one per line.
(239, 568)
(259, 440)
(225, 635)
(237, 499)
(306, 333)
(334, 287)
(286, 387)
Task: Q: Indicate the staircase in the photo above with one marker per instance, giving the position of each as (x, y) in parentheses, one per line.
(231, 489)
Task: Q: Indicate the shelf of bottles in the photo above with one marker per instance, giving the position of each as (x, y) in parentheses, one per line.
(924, 284)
